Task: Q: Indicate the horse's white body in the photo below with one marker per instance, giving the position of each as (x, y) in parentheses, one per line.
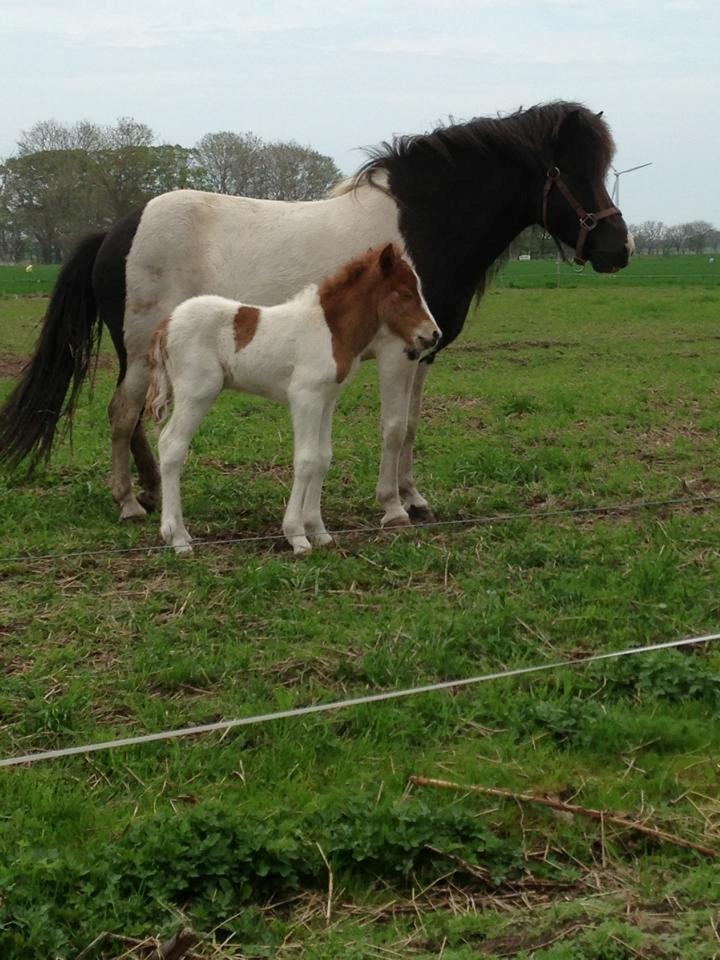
(285, 353)
(257, 251)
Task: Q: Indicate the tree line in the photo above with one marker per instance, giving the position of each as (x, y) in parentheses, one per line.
(651, 237)
(67, 180)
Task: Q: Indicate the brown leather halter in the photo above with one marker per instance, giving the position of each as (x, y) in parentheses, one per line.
(588, 221)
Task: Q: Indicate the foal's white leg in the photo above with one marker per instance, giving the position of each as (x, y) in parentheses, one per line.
(415, 504)
(306, 410)
(312, 506)
(190, 406)
(396, 377)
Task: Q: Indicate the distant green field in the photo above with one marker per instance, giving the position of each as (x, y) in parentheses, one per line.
(15, 281)
(643, 271)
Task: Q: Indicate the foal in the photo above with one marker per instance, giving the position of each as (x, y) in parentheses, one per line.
(302, 352)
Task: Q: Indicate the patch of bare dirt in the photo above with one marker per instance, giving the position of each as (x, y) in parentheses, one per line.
(658, 443)
(514, 345)
(12, 365)
(265, 468)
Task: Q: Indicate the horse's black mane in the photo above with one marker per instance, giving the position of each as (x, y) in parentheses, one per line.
(465, 190)
(525, 133)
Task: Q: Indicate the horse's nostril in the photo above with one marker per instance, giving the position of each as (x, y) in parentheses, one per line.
(436, 336)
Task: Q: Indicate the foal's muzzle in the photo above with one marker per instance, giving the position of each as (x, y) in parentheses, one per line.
(427, 342)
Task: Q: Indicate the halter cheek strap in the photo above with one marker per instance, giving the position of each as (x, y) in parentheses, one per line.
(588, 221)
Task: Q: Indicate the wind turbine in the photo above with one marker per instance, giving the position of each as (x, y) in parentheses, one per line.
(618, 173)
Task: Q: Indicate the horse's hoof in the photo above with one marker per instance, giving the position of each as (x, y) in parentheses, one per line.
(402, 521)
(300, 550)
(150, 501)
(183, 549)
(133, 511)
(420, 514)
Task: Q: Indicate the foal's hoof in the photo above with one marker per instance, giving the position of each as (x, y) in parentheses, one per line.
(393, 522)
(302, 550)
(420, 514)
(183, 549)
(323, 540)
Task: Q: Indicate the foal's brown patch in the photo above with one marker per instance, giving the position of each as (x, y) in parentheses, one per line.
(246, 321)
(345, 301)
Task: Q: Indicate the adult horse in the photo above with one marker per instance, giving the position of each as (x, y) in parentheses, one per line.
(453, 199)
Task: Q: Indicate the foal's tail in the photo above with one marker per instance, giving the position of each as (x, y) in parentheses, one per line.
(159, 393)
(63, 355)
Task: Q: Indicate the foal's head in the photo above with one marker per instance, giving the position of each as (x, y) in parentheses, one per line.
(400, 305)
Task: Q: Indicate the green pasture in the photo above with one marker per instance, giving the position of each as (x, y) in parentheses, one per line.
(304, 838)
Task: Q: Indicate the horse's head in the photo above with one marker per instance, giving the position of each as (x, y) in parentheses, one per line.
(400, 305)
(576, 207)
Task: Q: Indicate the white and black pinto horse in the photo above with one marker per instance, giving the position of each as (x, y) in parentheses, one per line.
(452, 200)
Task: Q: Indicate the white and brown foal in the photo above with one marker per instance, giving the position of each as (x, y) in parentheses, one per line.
(302, 352)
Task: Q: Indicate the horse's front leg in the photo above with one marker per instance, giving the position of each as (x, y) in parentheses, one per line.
(397, 373)
(415, 504)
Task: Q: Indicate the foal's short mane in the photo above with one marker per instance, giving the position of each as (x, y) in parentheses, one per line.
(348, 275)
(526, 133)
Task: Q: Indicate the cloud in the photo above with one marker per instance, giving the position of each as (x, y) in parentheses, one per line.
(162, 23)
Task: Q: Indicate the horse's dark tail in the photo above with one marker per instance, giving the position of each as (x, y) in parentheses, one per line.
(69, 340)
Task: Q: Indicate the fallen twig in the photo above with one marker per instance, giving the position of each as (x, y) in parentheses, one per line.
(601, 815)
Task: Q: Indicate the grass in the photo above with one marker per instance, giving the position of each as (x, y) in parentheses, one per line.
(550, 399)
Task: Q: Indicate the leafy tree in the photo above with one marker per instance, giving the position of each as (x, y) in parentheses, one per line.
(696, 235)
(242, 164)
(50, 197)
(231, 163)
(292, 172)
(66, 180)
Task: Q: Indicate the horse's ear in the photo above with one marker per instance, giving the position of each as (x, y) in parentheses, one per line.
(598, 115)
(567, 131)
(387, 258)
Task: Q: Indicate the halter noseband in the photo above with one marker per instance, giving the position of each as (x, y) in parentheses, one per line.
(588, 221)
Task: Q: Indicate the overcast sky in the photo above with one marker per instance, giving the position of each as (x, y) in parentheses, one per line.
(339, 76)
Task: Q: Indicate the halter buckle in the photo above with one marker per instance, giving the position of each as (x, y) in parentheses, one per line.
(553, 173)
(589, 221)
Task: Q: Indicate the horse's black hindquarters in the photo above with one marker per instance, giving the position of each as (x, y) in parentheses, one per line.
(109, 281)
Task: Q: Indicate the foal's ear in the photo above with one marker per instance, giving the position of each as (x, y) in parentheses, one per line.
(387, 258)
